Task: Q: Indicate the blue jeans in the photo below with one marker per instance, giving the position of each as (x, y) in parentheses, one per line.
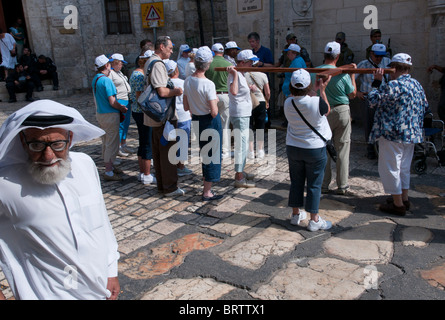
(211, 170)
(124, 125)
(306, 165)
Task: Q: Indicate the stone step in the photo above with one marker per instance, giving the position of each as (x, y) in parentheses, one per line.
(47, 93)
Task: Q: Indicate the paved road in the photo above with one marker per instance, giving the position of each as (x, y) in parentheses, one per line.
(243, 246)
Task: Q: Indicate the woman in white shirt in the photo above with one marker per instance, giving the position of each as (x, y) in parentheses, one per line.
(306, 151)
(123, 90)
(200, 98)
(240, 110)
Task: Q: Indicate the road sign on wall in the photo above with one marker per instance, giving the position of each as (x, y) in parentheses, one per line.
(152, 15)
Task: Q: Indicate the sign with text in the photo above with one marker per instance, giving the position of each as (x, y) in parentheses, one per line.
(152, 15)
(249, 5)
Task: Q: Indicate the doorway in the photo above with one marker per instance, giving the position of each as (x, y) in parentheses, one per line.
(10, 11)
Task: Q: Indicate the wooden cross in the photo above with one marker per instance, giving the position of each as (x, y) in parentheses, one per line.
(321, 72)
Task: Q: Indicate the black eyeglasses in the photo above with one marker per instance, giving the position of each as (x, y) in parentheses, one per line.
(39, 146)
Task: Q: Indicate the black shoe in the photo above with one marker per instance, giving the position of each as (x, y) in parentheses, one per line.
(29, 99)
(214, 197)
(12, 100)
(55, 88)
(39, 89)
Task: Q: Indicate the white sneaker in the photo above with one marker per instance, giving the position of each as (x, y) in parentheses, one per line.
(176, 193)
(320, 225)
(127, 149)
(260, 154)
(148, 179)
(251, 155)
(297, 218)
(122, 153)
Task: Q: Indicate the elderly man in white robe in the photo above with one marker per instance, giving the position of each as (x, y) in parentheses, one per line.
(56, 240)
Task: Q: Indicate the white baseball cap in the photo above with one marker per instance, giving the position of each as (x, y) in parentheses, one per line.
(402, 58)
(147, 54)
(100, 61)
(293, 47)
(246, 55)
(218, 47)
(170, 65)
(333, 47)
(232, 45)
(185, 48)
(118, 56)
(379, 49)
(301, 77)
(204, 54)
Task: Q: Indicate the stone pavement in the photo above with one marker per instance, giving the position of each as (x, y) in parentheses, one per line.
(243, 246)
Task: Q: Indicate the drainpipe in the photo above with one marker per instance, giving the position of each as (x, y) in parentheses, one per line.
(272, 48)
(201, 31)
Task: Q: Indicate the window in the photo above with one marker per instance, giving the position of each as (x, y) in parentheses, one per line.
(118, 16)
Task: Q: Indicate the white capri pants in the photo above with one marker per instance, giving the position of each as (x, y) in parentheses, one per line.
(395, 165)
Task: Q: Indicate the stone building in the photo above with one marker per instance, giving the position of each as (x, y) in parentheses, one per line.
(416, 27)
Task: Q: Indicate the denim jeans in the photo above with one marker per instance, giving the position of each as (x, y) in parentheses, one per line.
(144, 132)
(306, 165)
(241, 132)
(211, 162)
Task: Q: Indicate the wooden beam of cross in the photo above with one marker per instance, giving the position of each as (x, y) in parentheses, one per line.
(321, 72)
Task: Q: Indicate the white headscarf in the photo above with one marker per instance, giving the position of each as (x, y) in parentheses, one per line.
(11, 149)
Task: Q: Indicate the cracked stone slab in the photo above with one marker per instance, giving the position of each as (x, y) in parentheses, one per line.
(161, 259)
(370, 243)
(416, 236)
(188, 289)
(252, 253)
(322, 279)
(238, 223)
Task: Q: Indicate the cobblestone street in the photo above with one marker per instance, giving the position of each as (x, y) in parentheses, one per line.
(243, 246)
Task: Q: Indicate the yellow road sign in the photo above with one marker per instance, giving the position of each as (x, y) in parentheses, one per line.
(152, 15)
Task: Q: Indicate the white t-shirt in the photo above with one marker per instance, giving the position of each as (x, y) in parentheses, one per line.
(199, 92)
(241, 104)
(298, 132)
(182, 114)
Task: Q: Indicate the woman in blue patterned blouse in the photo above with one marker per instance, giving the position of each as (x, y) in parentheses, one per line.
(398, 125)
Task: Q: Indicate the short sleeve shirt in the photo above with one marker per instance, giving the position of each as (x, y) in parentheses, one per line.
(103, 88)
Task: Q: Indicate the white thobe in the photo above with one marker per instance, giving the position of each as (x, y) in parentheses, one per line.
(56, 241)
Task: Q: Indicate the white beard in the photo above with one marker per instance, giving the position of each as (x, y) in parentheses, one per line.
(50, 175)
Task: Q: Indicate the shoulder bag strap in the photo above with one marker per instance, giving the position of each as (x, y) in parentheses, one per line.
(308, 124)
(95, 84)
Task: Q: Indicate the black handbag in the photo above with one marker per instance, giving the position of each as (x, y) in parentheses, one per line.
(329, 145)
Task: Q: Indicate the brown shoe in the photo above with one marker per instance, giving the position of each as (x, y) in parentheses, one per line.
(407, 204)
(393, 209)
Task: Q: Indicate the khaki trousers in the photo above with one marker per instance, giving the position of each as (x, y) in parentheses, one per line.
(340, 122)
(109, 122)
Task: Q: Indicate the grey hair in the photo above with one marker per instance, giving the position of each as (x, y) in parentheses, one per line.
(331, 56)
(162, 40)
(202, 66)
